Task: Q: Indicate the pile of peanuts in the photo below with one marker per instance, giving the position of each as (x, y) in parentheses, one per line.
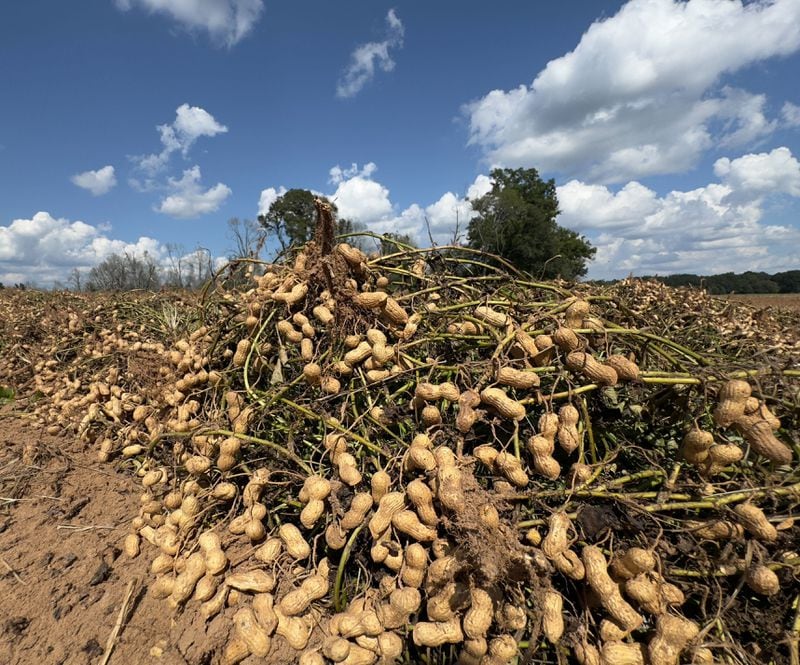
(312, 450)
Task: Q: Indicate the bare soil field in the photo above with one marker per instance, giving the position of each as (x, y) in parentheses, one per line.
(64, 581)
(789, 301)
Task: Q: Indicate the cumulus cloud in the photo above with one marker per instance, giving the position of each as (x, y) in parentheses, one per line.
(188, 198)
(716, 228)
(98, 182)
(767, 172)
(639, 94)
(225, 21)
(361, 198)
(43, 249)
(481, 186)
(367, 57)
(190, 124)
(268, 197)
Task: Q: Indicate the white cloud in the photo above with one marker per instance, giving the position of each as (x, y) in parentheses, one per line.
(43, 249)
(790, 114)
(366, 57)
(637, 96)
(98, 182)
(362, 199)
(743, 117)
(338, 174)
(777, 171)
(188, 199)
(226, 21)
(481, 186)
(190, 124)
(711, 229)
(595, 206)
(359, 198)
(268, 197)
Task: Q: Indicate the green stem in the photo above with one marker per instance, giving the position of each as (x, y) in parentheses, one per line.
(243, 437)
(337, 585)
(246, 368)
(587, 423)
(316, 416)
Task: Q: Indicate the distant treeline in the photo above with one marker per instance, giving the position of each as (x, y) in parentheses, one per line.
(729, 282)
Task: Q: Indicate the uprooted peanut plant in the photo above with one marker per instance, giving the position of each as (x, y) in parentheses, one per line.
(422, 458)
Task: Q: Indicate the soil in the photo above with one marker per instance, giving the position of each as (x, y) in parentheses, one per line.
(63, 579)
(789, 301)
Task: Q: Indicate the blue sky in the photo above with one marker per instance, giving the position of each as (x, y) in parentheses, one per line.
(672, 129)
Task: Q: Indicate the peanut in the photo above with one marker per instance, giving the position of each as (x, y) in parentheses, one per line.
(251, 633)
(672, 635)
(568, 437)
(312, 588)
(753, 519)
(359, 507)
(293, 541)
(421, 496)
(491, 316)
(497, 399)
(566, 340)
(478, 617)
(253, 581)
(763, 581)
(435, 634)
(508, 376)
(553, 619)
(590, 367)
(626, 369)
(598, 579)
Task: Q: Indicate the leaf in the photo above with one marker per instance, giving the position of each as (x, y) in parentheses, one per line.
(6, 394)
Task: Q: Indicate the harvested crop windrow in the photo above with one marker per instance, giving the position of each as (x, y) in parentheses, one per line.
(420, 457)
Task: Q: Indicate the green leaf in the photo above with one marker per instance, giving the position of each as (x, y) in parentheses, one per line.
(6, 394)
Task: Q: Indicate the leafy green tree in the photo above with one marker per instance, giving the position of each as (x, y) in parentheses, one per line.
(292, 218)
(788, 282)
(516, 220)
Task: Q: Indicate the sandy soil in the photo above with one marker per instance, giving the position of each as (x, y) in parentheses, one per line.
(63, 580)
(790, 301)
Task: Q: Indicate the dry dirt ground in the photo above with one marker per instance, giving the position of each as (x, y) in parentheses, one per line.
(63, 580)
(790, 301)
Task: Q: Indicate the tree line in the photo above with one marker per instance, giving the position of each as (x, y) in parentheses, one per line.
(729, 282)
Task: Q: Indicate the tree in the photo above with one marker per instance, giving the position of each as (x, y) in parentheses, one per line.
(516, 220)
(124, 272)
(76, 279)
(248, 237)
(187, 270)
(393, 242)
(292, 219)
